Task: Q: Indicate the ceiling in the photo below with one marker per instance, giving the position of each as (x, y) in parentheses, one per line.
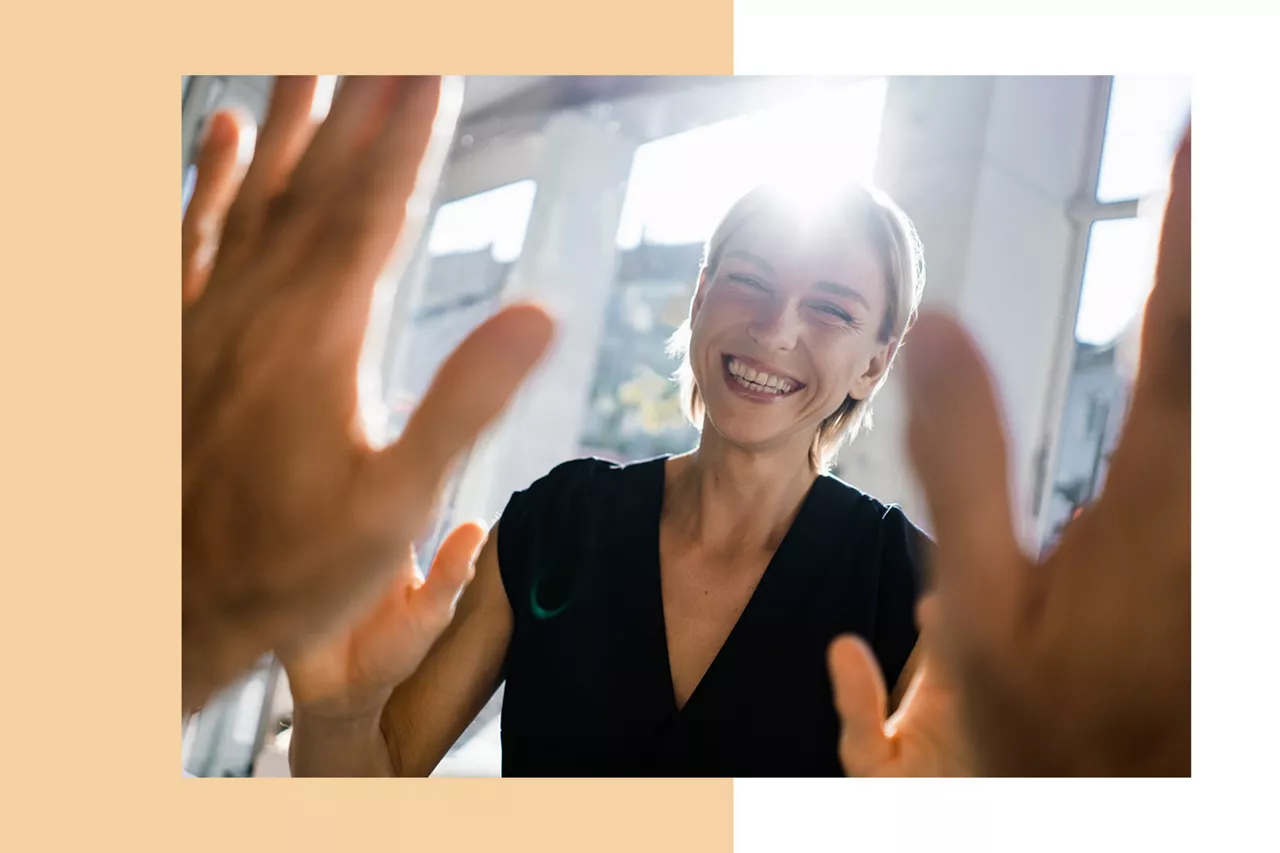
(482, 92)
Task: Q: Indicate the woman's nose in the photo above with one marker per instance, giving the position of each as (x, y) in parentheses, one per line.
(775, 326)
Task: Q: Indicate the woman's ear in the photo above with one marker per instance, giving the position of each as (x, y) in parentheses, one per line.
(864, 384)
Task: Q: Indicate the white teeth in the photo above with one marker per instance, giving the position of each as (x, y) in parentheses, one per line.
(758, 380)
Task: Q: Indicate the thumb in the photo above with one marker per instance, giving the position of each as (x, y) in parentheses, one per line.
(956, 441)
(861, 702)
(471, 389)
(451, 570)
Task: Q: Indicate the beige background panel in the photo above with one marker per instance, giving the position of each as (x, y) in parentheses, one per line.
(89, 354)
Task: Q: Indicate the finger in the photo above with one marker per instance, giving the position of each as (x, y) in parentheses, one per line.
(1162, 389)
(956, 442)
(395, 158)
(368, 214)
(1165, 366)
(472, 387)
(451, 570)
(217, 175)
(284, 136)
(861, 701)
(359, 110)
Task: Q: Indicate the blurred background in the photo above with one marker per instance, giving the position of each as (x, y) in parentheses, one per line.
(1037, 200)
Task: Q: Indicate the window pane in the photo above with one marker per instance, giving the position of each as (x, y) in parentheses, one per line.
(495, 221)
(1145, 120)
(1118, 272)
(474, 242)
(681, 185)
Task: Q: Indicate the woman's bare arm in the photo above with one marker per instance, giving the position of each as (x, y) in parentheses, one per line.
(429, 711)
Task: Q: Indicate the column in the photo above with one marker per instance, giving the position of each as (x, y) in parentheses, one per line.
(568, 265)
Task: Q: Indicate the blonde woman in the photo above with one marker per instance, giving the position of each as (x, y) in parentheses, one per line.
(672, 617)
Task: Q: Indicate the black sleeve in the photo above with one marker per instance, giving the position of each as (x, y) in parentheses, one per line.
(539, 528)
(903, 560)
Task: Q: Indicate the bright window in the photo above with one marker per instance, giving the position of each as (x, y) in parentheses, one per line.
(1145, 120)
(1146, 117)
(682, 184)
(1117, 277)
(494, 220)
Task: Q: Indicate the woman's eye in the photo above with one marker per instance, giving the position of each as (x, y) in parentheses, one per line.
(834, 311)
(748, 281)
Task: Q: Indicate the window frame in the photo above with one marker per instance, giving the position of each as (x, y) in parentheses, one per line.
(1083, 211)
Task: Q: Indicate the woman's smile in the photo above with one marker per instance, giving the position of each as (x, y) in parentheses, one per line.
(756, 381)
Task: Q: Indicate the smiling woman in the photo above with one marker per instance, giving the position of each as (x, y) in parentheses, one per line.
(846, 263)
(672, 616)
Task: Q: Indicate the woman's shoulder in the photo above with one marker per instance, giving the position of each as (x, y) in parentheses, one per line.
(574, 485)
(883, 535)
(852, 499)
(587, 472)
(557, 521)
(889, 521)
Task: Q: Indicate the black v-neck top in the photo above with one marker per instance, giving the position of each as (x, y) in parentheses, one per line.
(588, 680)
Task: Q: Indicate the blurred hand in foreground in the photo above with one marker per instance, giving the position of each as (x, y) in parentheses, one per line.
(292, 524)
(1079, 664)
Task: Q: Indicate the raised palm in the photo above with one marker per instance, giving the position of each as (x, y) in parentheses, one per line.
(292, 523)
(354, 669)
(1079, 663)
(921, 738)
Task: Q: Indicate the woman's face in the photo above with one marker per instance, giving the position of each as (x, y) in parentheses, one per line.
(784, 328)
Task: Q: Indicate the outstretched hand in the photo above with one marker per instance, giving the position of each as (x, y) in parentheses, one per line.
(292, 524)
(921, 738)
(1079, 664)
(352, 671)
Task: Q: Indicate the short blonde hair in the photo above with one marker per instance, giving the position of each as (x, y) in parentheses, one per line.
(889, 232)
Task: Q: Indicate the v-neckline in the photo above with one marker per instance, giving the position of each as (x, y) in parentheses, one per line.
(763, 592)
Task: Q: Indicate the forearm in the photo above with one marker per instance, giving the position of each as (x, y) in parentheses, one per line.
(343, 747)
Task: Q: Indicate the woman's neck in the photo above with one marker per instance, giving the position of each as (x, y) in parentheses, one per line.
(728, 500)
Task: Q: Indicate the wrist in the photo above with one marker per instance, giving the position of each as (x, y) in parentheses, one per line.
(342, 715)
(324, 744)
